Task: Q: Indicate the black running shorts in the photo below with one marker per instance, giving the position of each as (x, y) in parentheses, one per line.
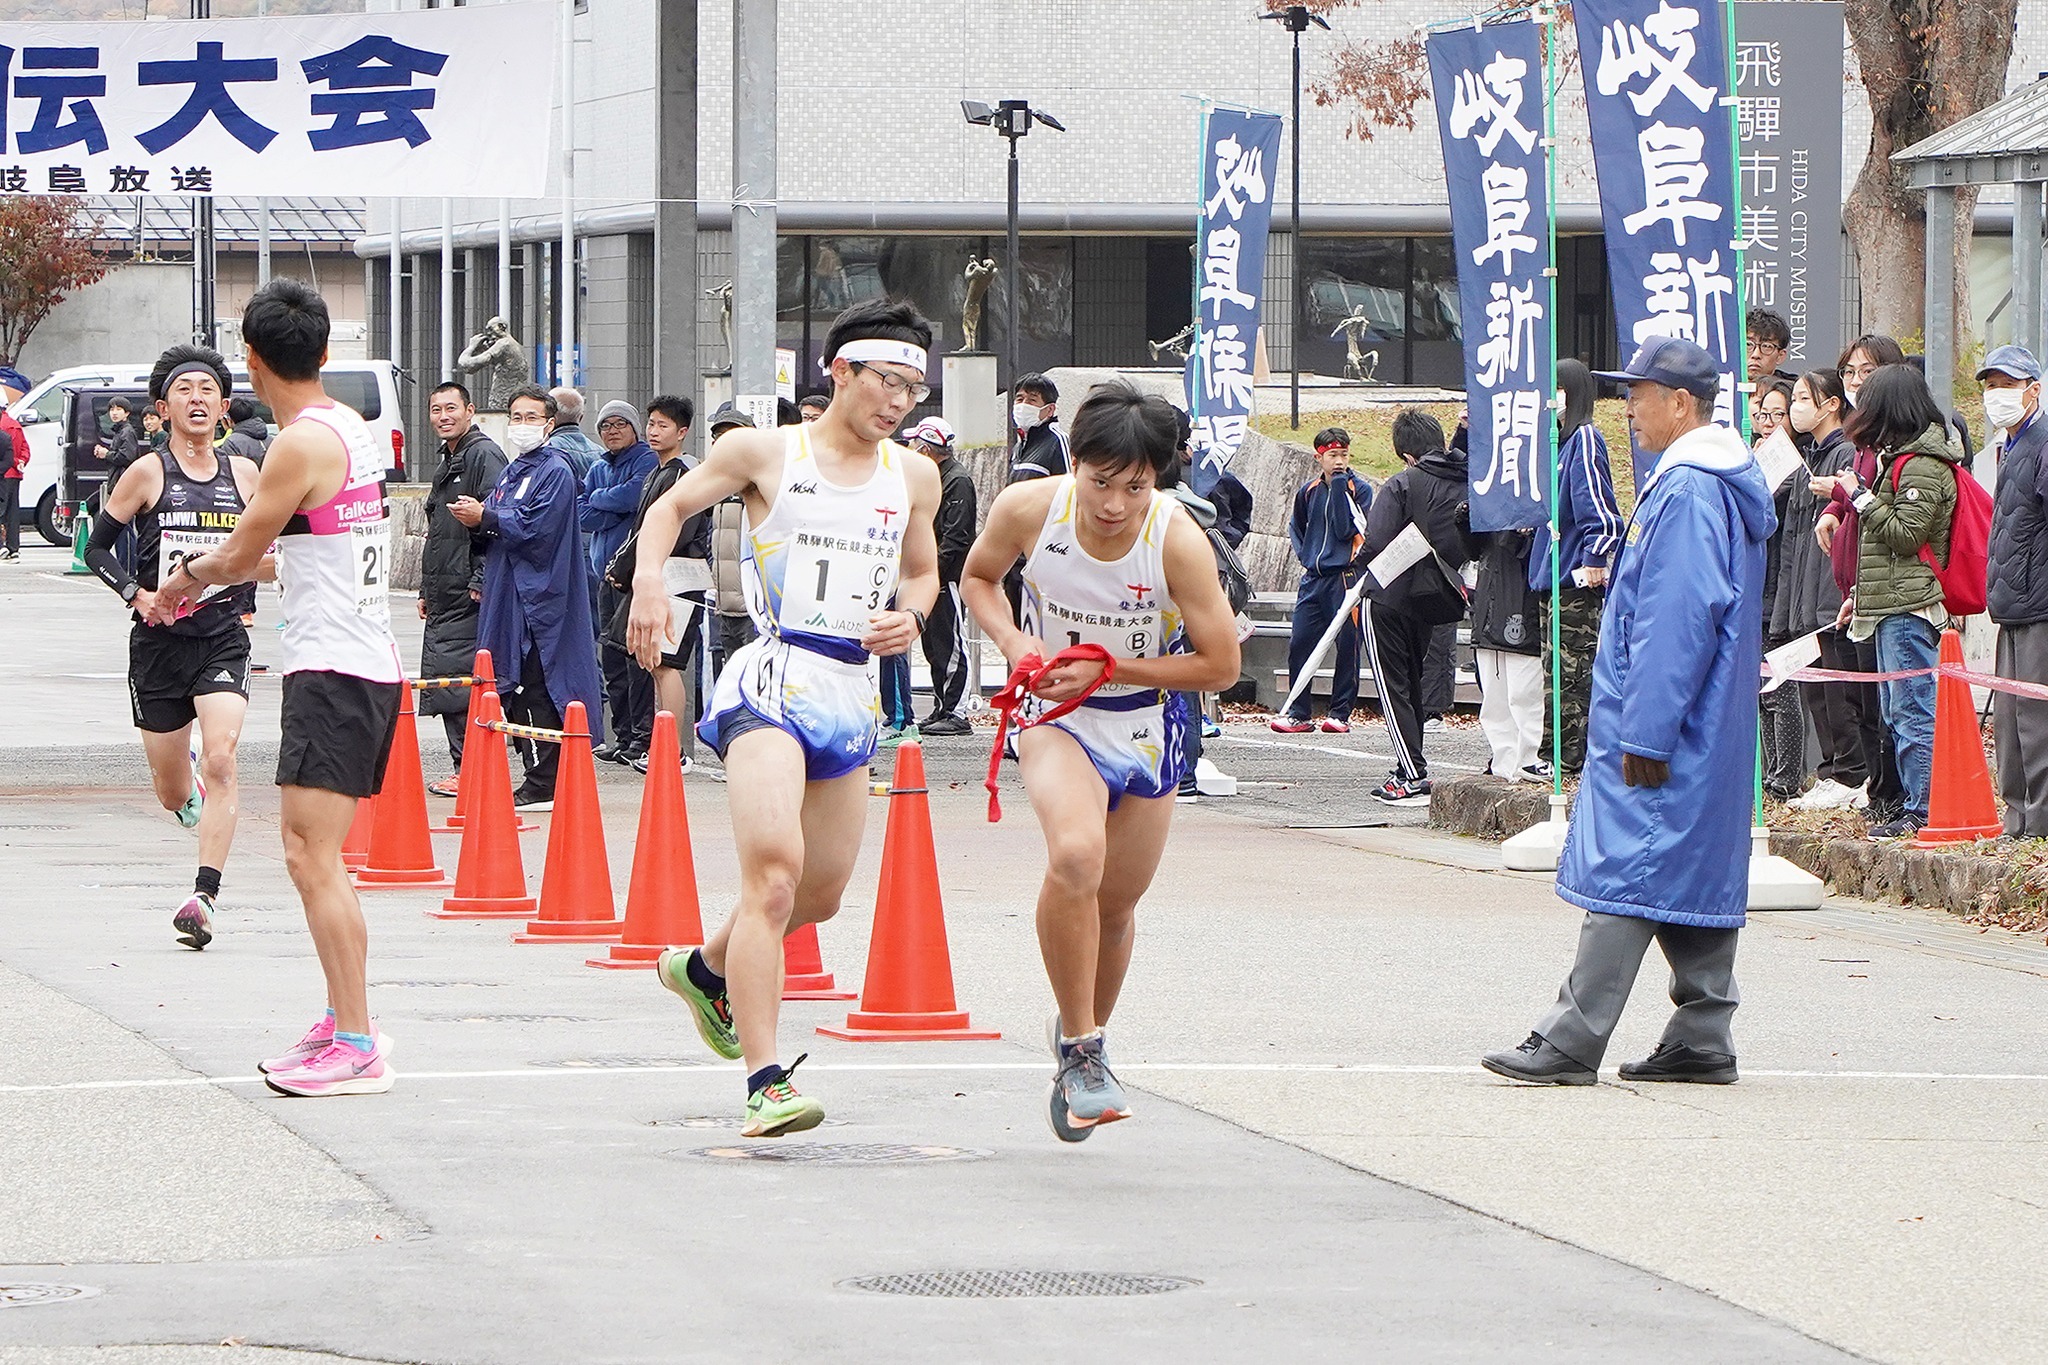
(337, 732)
(167, 670)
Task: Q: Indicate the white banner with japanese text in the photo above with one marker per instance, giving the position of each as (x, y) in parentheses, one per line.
(455, 102)
(1240, 155)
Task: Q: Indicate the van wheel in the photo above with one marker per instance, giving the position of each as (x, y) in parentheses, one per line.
(46, 519)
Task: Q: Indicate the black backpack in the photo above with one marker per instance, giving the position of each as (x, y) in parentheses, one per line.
(1230, 570)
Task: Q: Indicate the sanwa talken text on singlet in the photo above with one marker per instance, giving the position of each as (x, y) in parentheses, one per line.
(334, 564)
(1071, 598)
(190, 517)
(826, 558)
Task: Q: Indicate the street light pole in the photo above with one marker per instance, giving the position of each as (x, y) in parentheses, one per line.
(1296, 19)
(1016, 268)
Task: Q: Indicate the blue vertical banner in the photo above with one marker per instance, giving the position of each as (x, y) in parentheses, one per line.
(1240, 166)
(1664, 150)
(1488, 85)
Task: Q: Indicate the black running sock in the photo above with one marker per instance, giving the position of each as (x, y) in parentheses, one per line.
(207, 883)
(766, 1074)
(700, 974)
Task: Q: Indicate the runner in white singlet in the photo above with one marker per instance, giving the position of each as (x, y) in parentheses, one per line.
(842, 519)
(321, 498)
(1108, 561)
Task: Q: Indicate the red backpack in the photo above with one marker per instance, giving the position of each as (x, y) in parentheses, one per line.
(1965, 577)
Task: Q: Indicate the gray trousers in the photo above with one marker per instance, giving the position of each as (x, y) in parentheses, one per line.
(2019, 731)
(1611, 949)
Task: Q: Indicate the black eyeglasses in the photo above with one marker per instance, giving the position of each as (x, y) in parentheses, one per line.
(895, 383)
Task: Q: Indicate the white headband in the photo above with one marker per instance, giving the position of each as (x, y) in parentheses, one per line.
(876, 348)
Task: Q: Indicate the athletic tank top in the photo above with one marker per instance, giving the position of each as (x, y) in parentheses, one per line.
(334, 564)
(190, 517)
(1072, 598)
(826, 558)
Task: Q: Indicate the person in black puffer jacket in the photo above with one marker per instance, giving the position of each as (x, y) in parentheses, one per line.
(452, 565)
(1429, 494)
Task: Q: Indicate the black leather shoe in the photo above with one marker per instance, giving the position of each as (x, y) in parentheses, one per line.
(946, 725)
(1678, 1062)
(609, 753)
(1538, 1063)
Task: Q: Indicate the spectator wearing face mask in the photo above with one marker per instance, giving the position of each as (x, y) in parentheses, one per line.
(1040, 453)
(2017, 596)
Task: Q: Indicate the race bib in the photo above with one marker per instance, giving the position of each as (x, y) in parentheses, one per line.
(371, 545)
(1125, 634)
(181, 543)
(833, 585)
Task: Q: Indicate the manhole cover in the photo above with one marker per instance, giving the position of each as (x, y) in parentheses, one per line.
(843, 1153)
(429, 985)
(507, 1018)
(626, 1061)
(29, 1295)
(1018, 1284)
(726, 1121)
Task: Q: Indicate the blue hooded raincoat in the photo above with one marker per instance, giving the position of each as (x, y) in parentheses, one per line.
(1676, 679)
(536, 587)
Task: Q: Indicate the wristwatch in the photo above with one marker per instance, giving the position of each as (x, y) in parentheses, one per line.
(129, 589)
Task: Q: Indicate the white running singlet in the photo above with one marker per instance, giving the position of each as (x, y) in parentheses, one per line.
(826, 558)
(334, 564)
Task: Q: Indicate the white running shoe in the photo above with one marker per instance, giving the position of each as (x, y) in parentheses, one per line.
(1827, 794)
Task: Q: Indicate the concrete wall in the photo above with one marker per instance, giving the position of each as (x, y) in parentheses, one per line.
(131, 314)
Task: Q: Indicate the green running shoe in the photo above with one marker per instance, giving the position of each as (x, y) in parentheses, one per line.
(713, 1013)
(188, 814)
(776, 1108)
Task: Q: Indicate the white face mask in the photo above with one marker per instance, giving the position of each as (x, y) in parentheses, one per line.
(2005, 407)
(524, 436)
(1025, 416)
(1850, 391)
(1804, 416)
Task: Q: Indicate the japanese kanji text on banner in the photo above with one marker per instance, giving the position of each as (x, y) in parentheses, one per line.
(1489, 110)
(1240, 155)
(448, 102)
(1663, 147)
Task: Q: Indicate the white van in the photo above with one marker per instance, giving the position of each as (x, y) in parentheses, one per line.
(368, 386)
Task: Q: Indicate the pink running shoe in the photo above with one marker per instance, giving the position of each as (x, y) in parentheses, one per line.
(317, 1040)
(1291, 725)
(1333, 726)
(340, 1070)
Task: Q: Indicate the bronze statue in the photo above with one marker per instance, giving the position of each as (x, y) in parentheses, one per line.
(1175, 345)
(980, 274)
(723, 293)
(1357, 365)
(499, 363)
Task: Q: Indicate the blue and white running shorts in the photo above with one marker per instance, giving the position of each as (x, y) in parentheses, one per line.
(831, 708)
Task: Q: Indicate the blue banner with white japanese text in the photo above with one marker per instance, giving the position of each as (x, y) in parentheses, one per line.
(454, 102)
(1240, 165)
(1664, 151)
(1488, 85)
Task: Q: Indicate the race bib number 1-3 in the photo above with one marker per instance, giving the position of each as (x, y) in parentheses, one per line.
(371, 543)
(834, 586)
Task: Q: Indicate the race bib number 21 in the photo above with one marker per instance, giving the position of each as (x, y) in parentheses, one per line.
(371, 544)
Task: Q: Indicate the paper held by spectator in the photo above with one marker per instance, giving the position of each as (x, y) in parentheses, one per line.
(1780, 459)
(1403, 553)
(1790, 657)
(680, 575)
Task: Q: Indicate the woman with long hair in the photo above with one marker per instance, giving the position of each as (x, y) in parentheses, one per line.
(1589, 530)
(1781, 727)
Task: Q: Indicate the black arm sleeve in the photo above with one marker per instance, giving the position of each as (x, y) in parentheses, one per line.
(99, 552)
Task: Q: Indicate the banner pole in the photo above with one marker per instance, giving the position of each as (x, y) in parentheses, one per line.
(1744, 391)
(1549, 21)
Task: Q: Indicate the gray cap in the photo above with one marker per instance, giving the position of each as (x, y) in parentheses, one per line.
(729, 416)
(2016, 361)
(619, 407)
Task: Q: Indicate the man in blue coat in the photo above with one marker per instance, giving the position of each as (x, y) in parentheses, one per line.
(611, 497)
(535, 614)
(1659, 841)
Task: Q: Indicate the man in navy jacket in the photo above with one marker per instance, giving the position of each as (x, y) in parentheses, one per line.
(605, 511)
(2017, 586)
(1659, 841)
(1327, 531)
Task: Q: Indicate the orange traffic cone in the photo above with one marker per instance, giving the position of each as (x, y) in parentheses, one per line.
(355, 847)
(490, 878)
(401, 846)
(661, 900)
(480, 670)
(908, 994)
(803, 968)
(1960, 804)
(576, 903)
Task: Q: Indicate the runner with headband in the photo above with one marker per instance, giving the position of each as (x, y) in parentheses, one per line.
(1113, 564)
(320, 498)
(840, 520)
(184, 499)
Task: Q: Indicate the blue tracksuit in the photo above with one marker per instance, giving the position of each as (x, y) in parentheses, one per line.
(1327, 531)
(1589, 524)
(1676, 679)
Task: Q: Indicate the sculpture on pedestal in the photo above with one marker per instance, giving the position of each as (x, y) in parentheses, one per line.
(979, 274)
(497, 363)
(723, 293)
(1357, 365)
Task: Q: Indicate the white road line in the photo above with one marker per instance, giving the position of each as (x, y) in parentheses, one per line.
(1471, 1069)
(1362, 755)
